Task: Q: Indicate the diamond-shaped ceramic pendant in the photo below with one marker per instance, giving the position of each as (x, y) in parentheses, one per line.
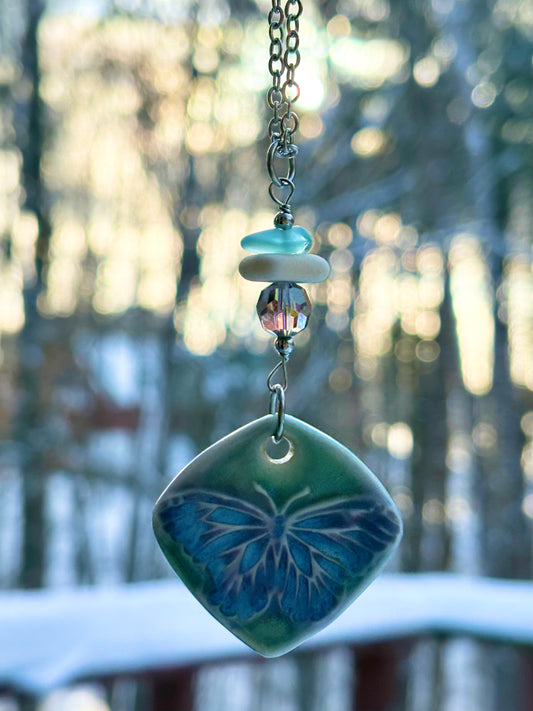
(276, 548)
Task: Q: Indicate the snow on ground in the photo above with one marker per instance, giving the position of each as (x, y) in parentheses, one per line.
(51, 638)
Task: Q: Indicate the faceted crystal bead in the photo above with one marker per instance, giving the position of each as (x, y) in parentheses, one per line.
(284, 309)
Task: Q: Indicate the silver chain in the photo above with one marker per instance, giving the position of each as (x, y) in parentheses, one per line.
(283, 29)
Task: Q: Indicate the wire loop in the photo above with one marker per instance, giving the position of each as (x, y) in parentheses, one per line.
(281, 365)
(284, 202)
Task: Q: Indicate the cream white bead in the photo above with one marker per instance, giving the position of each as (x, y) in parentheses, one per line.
(299, 268)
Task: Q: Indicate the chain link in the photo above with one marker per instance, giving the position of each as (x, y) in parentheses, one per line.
(283, 30)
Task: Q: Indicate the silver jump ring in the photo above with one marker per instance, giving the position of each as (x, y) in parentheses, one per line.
(278, 406)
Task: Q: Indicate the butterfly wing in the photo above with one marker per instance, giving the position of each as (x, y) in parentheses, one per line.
(301, 562)
(230, 539)
(327, 546)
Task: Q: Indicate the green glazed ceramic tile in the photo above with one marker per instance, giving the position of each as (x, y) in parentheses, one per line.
(276, 549)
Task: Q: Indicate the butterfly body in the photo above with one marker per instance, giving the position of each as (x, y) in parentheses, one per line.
(271, 557)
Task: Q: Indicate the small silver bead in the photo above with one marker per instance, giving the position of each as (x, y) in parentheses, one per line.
(284, 346)
(284, 220)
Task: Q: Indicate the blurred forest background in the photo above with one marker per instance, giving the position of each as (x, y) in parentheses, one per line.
(132, 143)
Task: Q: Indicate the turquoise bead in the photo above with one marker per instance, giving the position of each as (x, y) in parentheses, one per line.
(295, 240)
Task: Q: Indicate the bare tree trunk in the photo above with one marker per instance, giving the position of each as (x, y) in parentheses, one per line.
(28, 426)
(506, 539)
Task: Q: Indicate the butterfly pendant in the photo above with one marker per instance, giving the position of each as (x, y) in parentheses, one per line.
(276, 549)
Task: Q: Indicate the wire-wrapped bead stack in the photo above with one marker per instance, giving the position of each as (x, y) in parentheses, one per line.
(281, 257)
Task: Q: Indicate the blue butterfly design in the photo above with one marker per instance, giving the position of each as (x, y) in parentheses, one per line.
(298, 561)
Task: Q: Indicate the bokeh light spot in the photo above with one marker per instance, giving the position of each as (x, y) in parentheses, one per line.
(400, 440)
(426, 72)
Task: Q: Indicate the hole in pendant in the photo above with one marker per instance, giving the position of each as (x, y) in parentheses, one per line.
(278, 452)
